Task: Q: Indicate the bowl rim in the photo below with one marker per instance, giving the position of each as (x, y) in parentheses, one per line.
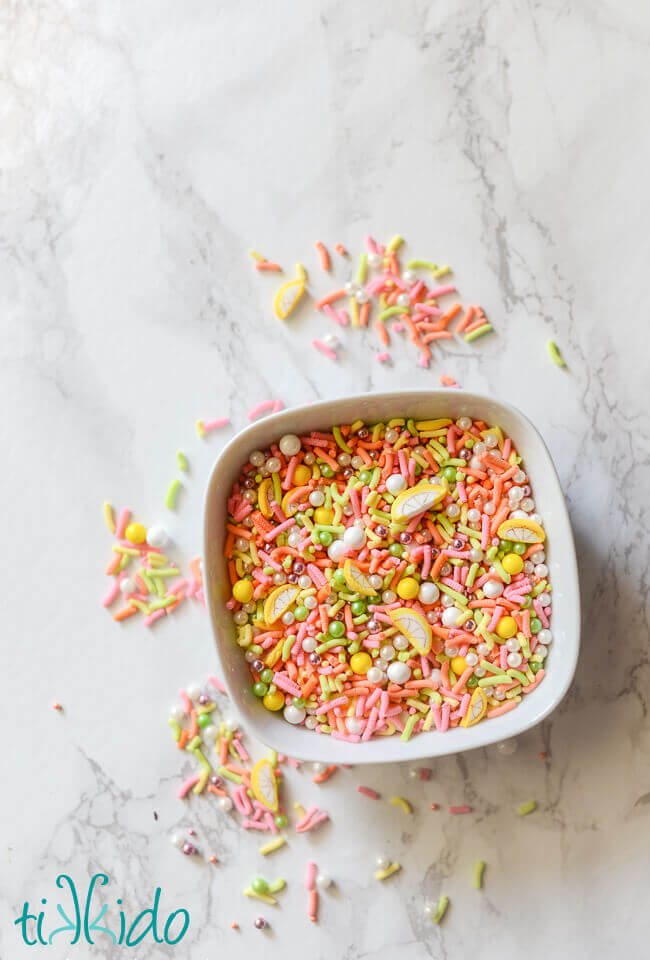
(326, 748)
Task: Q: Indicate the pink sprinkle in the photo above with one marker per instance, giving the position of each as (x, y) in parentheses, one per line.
(187, 786)
(217, 684)
(368, 792)
(156, 615)
(122, 521)
(461, 809)
(259, 408)
(113, 591)
(398, 326)
(382, 357)
(215, 424)
(324, 349)
(310, 875)
(441, 291)
(277, 406)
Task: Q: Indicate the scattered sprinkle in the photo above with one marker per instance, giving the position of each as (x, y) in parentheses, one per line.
(172, 493)
(527, 808)
(441, 909)
(460, 809)
(479, 870)
(181, 460)
(388, 871)
(368, 792)
(402, 804)
(324, 256)
(109, 519)
(554, 353)
(56, 705)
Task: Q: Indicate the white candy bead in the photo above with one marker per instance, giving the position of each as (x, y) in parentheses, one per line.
(450, 616)
(309, 644)
(374, 675)
(545, 637)
(354, 537)
(428, 593)
(435, 677)
(225, 803)
(317, 498)
(403, 300)
(336, 550)
(514, 660)
(395, 483)
(387, 652)
(256, 458)
(398, 672)
(293, 714)
(492, 589)
(382, 862)
(376, 582)
(323, 881)
(194, 691)
(178, 713)
(210, 732)
(354, 725)
(318, 768)
(177, 839)
(464, 423)
(128, 586)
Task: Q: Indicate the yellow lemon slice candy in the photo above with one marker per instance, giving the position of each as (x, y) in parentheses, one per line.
(356, 580)
(410, 503)
(279, 601)
(476, 709)
(522, 530)
(414, 627)
(263, 496)
(287, 297)
(264, 785)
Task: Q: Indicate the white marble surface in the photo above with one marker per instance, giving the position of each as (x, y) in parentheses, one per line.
(145, 147)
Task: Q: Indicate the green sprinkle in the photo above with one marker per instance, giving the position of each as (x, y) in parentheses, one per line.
(176, 728)
(229, 775)
(181, 460)
(479, 870)
(277, 885)
(340, 441)
(441, 909)
(421, 265)
(202, 760)
(392, 312)
(172, 492)
(491, 667)
(193, 744)
(454, 594)
(473, 570)
(408, 727)
(518, 675)
(491, 681)
(478, 332)
(527, 808)
(554, 353)
(286, 647)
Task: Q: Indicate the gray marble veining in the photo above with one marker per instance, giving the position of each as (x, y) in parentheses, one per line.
(146, 147)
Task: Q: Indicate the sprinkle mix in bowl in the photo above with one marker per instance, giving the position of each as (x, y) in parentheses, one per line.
(389, 578)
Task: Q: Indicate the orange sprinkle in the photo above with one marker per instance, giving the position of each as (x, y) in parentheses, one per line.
(341, 249)
(324, 255)
(266, 265)
(382, 332)
(124, 613)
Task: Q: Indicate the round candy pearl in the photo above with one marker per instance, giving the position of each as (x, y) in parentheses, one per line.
(541, 651)
(382, 862)
(177, 712)
(374, 259)
(354, 537)
(451, 651)
(361, 296)
(256, 458)
(400, 642)
(260, 923)
(541, 570)
(447, 601)
(304, 582)
(395, 483)
(507, 747)
(376, 582)
(514, 660)
(399, 672)
(210, 732)
(317, 498)
(435, 677)
(544, 599)
(188, 849)
(194, 691)
(225, 803)
(475, 555)
(387, 652)
(429, 592)
(489, 508)
(414, 773)
(288, 618)
(450, 616)
(177, 839)
(240, 618)
(479, 671)
(374, 675)
(336, 550)
(273, 465)
(331, 340)
(471, 659)
(403, 300)
(323, 881)
(512, 645)
(294, 714)
(289, 444)
(452, 511)
(381, 664)
(388, 596)
(318, 768)
(482, 649)
(310, 602)
(544, 637)
(128, 586)
(464, 423)
(473, 515)
(492, 589)
(294, 539)
(354, 725)
(350, 287)
(409, 276)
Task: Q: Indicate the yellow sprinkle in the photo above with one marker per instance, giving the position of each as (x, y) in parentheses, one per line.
(109, 519)
(354, 312)
(395, 243)
(255, 255)
(527, 808)
(272, 845)
(301, 273)
(300, 810)
(200, 429)
(200, 784)
(388, 872)
(248, 892)
(401, 802)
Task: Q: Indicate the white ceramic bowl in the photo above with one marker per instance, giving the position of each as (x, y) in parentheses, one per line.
(271, 728)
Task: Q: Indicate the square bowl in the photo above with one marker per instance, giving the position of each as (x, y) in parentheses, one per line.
(298, 741)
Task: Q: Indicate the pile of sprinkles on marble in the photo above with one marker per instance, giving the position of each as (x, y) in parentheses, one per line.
(389, 578)
(387, 296)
